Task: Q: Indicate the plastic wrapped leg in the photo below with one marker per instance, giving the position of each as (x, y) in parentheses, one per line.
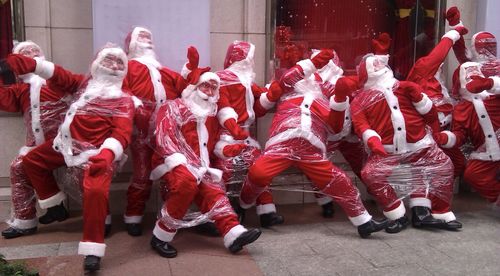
(458, 159)
(23, 198)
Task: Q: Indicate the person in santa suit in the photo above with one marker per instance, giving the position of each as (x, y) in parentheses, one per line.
(95, 131)
(42, 105)
(391, 117)
(477, 118)
(186, 131)
(298, 138)
(240, 102)
(153, 84)
(427, 72)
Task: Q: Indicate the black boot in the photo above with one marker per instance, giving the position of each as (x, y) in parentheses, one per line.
(270, 219)
(107, 230)
(244, 239)
(208, 228)
(163, 248)
(91, 263)
(365, 229)
(12, 232)
(134, 229)
(452, 225)
(328, 210)
(55, 213)
(422, 218)
(397, 225)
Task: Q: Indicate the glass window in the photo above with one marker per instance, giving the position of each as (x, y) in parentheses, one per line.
(349, 26)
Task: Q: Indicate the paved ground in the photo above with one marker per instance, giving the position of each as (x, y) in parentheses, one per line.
(306, 245)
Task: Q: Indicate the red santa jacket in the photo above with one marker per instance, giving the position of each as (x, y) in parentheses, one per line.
(42, 106)
(182, 138)
(392, 116)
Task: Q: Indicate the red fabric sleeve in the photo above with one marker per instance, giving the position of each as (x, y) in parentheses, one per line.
(257, 107)
(291, 77)
(9, 97)
(66, 80)
(123, 125)
(460, 51)
(427, 66)
(173, 82)
(21, 64)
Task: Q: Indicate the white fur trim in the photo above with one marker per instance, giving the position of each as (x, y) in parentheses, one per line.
(289, 134)
(207, 76)
(44, 69)
(163, 235)
(423, 106)
(452, 139)
(23, 224)
(226, 113)
(169, 164)
(369, 133)
(396, 213)
(453, 35)
(423, 143)
(233, 234)
(265, 209)
(307, 66)
(52, 201)
(91, 248)
(361, 219)
(496, 85)
(448, 216)
(460, 24)
(185, 71)
(108, 220)
(137, 102)
(219, 149)
(420, 201)
(342, 106)
(132, 219)
(25, 150)
(265, 102)
(115, 146)
(323, 200)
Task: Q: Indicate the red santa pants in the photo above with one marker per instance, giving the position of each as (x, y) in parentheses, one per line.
(39, 164)
(327, 178)
(483, 176)
(139, 189)
(458, 160)
(23, 195)
(184, 190)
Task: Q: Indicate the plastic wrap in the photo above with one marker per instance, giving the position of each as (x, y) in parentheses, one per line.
(22, 196)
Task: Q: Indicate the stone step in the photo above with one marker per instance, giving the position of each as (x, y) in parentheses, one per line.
(4, 182)
(5, 193)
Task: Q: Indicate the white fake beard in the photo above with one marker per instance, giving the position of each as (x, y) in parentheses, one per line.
(200, 104)
(106, 83)
(244, 69)
(331, 72)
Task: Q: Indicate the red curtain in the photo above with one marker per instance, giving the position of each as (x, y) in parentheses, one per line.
(5, 28)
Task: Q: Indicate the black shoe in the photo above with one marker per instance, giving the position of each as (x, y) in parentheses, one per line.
(107, 230)
(163, 248)
(328, 210)
(56, 213)
(91, 263)
(134, 229)
(208, 228)
(422, 218)
(365, 229)
(244, 239)
(452, 225)
(12, 232)
(270, 219)
(397, 225)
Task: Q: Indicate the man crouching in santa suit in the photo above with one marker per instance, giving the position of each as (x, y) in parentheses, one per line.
(391, 117)
(96, 130)
(298, 137)
(186, 131)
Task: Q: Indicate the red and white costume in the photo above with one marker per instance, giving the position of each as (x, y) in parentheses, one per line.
(298, 136)
(241, 100)
(43, 105)
(99, 121)
(394, 114)
(186, 132)
(153, 84)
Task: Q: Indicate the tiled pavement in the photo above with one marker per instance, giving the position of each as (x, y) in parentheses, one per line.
(305, 245)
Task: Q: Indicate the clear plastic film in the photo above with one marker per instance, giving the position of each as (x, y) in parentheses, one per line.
(238, 65)
(22, 196)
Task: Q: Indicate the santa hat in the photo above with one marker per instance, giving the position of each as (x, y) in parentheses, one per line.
(483, 46)
(131, 39)
(371, 69)
(28, 43)
(239, 51)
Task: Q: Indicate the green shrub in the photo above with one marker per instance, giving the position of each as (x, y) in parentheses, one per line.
(15, 268)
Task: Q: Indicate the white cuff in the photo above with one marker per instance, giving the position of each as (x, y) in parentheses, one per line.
(23, 223)
(233, 234)
(185, 71)
(460, 24)
(361, 219)
(453, 35)
(115, 146)
(448, 216)
(108, 220)
(219, 149)
(162, 234)
(265, 102)
(369, 133)
(496, 85)
(423, 106)
(396, 213)
(132, 219)
(265, 209)
(52, 201)
(307, 66)
(342, 106)
(169, 164)
(91, 248)
(45, 69)
(452, 139)
(420, 201)
(225, 114)
(137, 102)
